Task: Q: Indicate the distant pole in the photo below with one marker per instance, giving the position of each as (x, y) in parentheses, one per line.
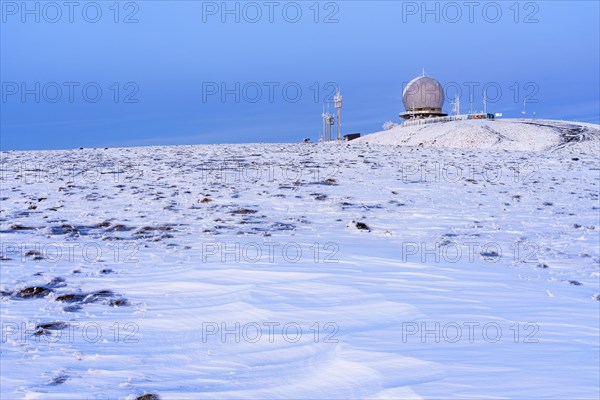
(484, 102)
(456, 108)
(338, 106)
(324, 125)
(339, 131)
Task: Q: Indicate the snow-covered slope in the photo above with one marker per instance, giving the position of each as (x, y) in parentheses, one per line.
(509, 134)
(299, 271)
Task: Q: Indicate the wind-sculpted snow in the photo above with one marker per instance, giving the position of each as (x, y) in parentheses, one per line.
(299, 271)
(502, 134)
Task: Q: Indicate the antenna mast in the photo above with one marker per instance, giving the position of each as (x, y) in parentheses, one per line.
(328, 121)
(338, 106)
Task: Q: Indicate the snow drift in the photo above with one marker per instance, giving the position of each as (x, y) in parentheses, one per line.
(301, 271)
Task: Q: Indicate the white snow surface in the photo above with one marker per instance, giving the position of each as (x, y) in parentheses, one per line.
(412, 272)
(505, 134)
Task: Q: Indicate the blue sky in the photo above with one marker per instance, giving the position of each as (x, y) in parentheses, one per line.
(107, 74)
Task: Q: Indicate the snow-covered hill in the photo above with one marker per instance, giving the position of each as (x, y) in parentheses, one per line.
(300, 271)
(507, 134)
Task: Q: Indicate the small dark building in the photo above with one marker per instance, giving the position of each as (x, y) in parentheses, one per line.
(351, 136)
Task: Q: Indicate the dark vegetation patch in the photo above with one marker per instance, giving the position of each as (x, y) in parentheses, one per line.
(73, 230)
(148, 396)
(58, 380)
(120, 302)
(47, 327)
(34, 254)
(33, 292)
(361, 226)
(244, 211)
(490, 254)
(119, 228)
(153, 232)
(18, 227)
(76, 300)
(282, 226)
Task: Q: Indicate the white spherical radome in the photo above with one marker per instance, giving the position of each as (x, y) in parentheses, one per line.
(423, 93)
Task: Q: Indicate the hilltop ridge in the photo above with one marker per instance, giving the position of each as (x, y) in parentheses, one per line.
(504, 134)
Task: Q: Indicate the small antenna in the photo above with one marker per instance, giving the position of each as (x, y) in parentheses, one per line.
(423, 74)
(485, 101)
